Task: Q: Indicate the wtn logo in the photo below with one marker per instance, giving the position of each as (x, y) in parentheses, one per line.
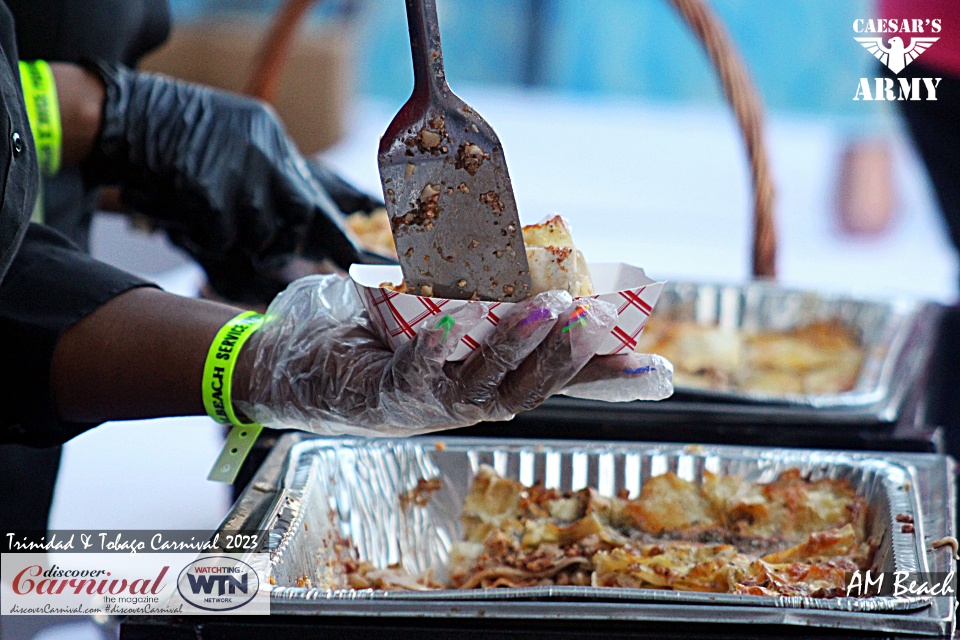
(218, 583)
(227, 584)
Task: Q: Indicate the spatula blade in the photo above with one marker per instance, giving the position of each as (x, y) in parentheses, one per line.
(452, 209)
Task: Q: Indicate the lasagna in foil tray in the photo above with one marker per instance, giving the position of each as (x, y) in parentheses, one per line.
(821, 357)
(761, 343)
(792, 536)
(411, 518)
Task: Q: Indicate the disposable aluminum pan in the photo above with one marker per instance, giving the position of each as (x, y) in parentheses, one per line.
(884, 327)
(352, 489)
(272, 500)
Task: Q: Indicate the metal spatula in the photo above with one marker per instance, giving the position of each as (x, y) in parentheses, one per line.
(445, 183)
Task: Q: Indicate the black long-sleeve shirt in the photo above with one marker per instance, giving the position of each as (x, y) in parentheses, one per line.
(46, 283)
(19, 175)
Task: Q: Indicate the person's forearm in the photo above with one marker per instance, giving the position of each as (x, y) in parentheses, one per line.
(80, 95)
(140, 355)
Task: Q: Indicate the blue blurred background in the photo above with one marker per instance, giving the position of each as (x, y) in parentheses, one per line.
(801, 52)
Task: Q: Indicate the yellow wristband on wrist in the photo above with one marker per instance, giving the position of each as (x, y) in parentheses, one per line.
(43, 111)
(221, 361)
(217, 394)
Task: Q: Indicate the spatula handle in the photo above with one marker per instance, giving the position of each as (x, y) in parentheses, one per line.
(428, 73)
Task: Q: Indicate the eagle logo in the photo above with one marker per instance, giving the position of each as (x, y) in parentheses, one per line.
(894, 54)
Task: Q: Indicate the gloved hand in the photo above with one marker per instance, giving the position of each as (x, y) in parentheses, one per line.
(317, 365)
(347, 197)
(233, 277)
(216, 170)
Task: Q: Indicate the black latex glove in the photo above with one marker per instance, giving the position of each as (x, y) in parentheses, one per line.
(347, 197)
(217, 171)
(232, 277)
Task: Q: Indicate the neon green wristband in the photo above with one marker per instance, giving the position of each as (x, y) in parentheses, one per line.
(221, 361)
(43, 111)
(218, 398)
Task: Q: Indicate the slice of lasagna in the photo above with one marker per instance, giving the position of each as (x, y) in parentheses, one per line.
(555, 263)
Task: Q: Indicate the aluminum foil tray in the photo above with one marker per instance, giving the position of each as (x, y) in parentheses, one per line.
(884, 326)
(332, 488)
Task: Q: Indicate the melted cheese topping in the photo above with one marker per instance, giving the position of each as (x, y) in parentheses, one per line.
(668, 503)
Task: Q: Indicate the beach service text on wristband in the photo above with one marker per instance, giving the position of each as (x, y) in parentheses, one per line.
(43, 111)
(217, 394)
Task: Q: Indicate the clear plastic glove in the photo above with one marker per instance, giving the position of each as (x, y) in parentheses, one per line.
(623, 378)
(317, 364)
(218, 172)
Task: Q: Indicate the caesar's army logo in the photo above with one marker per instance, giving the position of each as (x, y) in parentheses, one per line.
(896, 52)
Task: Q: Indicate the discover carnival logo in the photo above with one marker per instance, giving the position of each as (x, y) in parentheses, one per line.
(896, 52)
(82, 583)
